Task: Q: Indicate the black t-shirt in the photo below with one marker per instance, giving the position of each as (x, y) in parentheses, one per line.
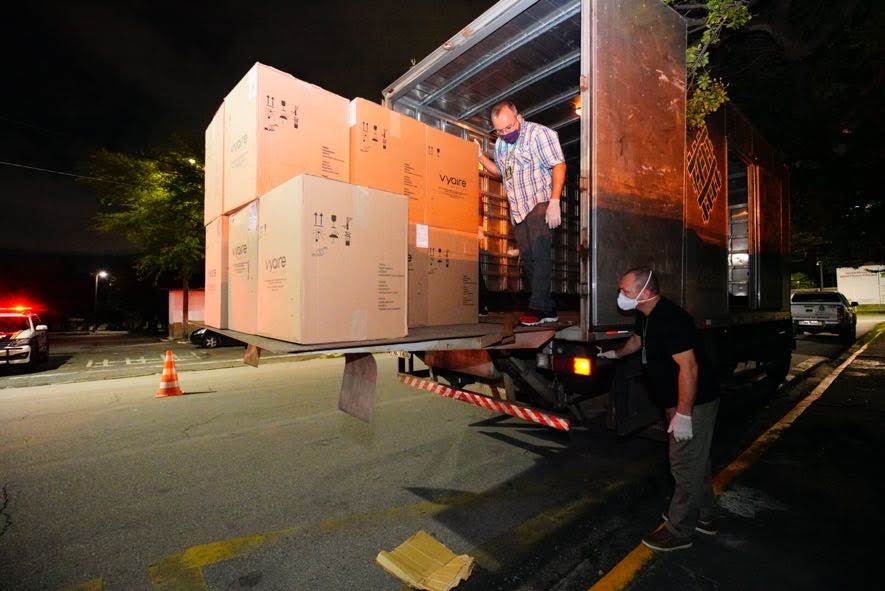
(669, 330)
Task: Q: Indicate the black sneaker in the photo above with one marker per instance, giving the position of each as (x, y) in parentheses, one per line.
(703, 526)
(663, 540)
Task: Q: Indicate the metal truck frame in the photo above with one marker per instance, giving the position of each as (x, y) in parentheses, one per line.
(709, 210)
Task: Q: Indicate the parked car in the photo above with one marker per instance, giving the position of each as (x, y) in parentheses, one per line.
(824, 311)
(209, 339)
(24, 339)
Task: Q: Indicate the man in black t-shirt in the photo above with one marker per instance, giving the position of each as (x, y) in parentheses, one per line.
(682, 382)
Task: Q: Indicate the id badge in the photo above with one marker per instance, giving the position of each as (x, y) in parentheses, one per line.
(644, 357)
(508, 172)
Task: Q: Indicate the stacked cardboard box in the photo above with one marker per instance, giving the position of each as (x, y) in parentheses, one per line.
(438, 172)
(216, 273)
(295, 252)
(387, 153)
(333, 262)
(242, 269)
(277, 127)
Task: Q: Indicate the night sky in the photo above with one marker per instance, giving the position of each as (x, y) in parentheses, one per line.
(80, 76)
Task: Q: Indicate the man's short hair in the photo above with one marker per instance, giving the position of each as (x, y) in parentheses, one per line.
(642, 274)
(502, 105)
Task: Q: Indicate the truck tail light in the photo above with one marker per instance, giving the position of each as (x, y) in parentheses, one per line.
(582, 366)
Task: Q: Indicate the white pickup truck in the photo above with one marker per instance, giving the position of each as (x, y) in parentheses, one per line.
(824, 311)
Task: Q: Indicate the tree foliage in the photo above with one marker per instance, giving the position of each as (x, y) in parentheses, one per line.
(708, 20)
(156, 202)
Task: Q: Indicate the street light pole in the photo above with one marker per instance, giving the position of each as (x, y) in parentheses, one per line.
(820, 267)
(98, 275)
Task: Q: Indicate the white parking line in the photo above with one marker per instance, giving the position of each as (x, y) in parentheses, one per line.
(128, 361)
(89, 363)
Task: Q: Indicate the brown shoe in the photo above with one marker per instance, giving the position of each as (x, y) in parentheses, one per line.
(663, 540)
(703, 526)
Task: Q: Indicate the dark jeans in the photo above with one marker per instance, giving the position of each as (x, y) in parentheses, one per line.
(535, 242)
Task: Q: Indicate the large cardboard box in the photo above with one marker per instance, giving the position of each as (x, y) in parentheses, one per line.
(216, 273)
(387, 153)
(443, 276)
(333, 262)
(277, 127)
(242, 269)
(452, 182)
(214, 168)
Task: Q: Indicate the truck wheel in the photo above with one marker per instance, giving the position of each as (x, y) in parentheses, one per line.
(777, 369)
(848, 335)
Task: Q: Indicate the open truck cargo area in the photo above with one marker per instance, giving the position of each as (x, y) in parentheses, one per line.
(707, 209)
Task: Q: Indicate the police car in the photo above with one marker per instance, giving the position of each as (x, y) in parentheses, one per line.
(23, 339)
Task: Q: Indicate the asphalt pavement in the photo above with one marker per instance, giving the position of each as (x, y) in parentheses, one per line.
(254, 479)
(807, 514)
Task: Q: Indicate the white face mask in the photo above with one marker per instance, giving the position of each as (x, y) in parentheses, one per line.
(627, 304)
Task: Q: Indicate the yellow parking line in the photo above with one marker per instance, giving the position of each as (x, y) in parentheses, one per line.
(626, 570)
(183, 570)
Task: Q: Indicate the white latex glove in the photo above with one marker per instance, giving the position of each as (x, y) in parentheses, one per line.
(554, 216)
(608, 354)
(478, 147)
(680, 427)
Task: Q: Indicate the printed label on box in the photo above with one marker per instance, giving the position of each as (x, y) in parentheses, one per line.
(422, 239)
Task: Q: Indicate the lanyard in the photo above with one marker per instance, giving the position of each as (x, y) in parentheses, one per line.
(508, 157)
(644, 332)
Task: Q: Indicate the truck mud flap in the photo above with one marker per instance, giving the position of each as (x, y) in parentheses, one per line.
(519, 411)
(357, 395)
(633, 408)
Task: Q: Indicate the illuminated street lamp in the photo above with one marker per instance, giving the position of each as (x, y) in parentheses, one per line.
(98, 275)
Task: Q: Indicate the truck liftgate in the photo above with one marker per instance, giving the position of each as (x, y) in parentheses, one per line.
(359, 380)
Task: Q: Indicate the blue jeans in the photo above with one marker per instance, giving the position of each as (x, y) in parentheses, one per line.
(535, 241)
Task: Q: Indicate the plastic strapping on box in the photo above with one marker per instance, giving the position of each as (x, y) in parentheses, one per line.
(351, 114)
(253, 216)
(360, 206)
(252, 83)
(359, 325)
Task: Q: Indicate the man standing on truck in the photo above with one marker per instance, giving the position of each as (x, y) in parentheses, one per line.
(682, 383)
(529, 159)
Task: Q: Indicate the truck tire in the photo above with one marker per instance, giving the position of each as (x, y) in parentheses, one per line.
(777, 369)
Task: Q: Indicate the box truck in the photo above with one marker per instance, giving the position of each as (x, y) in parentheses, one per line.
(707, 209)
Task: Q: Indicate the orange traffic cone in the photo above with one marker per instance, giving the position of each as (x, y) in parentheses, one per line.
(169, 379)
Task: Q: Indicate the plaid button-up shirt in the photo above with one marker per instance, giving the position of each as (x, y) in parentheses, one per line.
(526, 167)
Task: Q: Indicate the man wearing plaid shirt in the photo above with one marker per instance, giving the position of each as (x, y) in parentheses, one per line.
(529, 159)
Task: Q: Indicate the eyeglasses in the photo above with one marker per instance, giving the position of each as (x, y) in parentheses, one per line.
(510, 128)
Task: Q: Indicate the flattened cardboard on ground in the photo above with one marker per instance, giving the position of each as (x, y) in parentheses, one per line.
(422, 562)
(387, 153)
(333, 262)
(443, 276)
(214, 168)
(277, 127)
(242, 269)
(215, 293)
(452, 182)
